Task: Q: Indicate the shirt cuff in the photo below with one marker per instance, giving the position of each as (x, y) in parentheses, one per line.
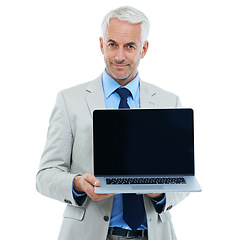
(159, 203)
(159, 200)
(79, 197)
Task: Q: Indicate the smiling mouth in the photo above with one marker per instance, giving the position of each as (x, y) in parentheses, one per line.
(119, 65)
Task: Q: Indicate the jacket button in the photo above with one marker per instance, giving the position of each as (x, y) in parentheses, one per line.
(105, 218)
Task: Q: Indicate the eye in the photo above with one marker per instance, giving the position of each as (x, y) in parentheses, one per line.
(111, 45)
(131, 47)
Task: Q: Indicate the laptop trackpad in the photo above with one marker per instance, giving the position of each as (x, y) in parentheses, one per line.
(147, 188)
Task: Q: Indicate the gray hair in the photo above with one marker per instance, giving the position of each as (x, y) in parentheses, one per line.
(128, 14)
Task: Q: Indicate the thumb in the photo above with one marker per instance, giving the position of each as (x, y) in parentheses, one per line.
(90, 178)
(97, 182)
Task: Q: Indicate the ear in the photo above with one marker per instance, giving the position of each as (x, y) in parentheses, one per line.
(144, 49)
(101, 45)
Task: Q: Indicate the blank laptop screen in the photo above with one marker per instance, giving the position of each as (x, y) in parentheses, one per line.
(143, 142)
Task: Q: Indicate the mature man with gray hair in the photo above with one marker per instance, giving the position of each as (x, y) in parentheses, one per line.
(66, 166)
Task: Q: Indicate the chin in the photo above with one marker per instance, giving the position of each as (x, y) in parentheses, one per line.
(120, 76)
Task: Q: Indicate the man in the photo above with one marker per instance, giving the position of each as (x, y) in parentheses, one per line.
(66, 167)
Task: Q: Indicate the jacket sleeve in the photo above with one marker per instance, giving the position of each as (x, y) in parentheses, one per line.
(54, 179)
(173, 199)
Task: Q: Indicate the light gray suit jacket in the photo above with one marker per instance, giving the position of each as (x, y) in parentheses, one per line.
(68, 152)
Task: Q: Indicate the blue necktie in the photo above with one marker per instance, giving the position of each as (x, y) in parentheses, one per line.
(124, 93)
(133, 206)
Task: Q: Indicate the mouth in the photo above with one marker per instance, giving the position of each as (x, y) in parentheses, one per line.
(120, 66)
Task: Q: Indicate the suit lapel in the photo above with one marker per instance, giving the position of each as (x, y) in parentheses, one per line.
(95, 95)
(147, 96)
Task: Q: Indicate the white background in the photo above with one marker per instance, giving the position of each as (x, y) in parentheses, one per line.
(196, 51)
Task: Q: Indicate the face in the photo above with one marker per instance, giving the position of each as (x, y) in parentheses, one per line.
(122, 50)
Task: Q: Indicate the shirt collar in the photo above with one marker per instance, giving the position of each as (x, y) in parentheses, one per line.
(110, 85)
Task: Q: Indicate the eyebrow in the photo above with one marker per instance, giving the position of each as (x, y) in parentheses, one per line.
(111, 40)
(129, 43)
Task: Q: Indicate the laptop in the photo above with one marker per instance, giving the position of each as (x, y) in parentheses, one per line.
(144, 150)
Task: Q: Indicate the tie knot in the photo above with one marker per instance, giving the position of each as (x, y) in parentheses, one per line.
(124, 93)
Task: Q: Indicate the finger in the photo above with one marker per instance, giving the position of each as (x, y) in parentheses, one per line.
(154, 195)
(99, 197)
(88, 182)
(90, 178)
(89, 189)
(97, 183)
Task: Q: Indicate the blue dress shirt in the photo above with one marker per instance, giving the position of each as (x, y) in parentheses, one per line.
(112, 100)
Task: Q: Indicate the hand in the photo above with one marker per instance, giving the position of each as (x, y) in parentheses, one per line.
(152, 195)
(86, 183)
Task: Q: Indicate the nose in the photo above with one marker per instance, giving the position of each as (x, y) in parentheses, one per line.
(120, 54)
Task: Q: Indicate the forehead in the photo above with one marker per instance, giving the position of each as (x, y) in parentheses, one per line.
(121, 31)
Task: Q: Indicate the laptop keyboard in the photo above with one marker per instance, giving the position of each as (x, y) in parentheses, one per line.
(145, 180)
